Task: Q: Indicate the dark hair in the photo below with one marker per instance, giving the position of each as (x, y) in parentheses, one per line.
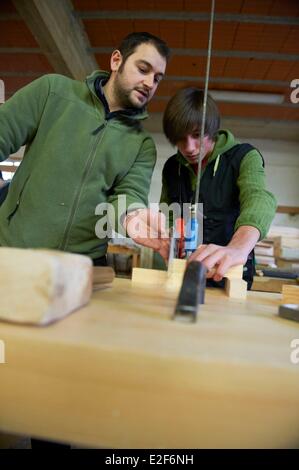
(183, 115)
(133, 40)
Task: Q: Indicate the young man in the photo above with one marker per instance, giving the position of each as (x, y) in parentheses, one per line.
(84, 146)
(238, 209)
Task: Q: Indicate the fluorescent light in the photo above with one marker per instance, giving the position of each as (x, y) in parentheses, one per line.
(247, 97)
(2, 92)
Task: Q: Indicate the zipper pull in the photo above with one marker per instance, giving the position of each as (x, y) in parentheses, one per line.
(98, 129)
(216, 165)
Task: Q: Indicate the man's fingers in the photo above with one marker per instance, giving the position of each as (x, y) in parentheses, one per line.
(210, 257)
(205, 251)
(224, 265)
(197, 253)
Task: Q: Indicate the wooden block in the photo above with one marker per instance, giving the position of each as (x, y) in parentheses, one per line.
(150, 277)
(175, 274)
(173, 278)
(290, 294)
(102, 275)
(283, 231)
(175, 281)
(236, 288)
(287, 242)
(177, 266)
(40, 286)
(270, 284)
(236, 272)
(277, 246)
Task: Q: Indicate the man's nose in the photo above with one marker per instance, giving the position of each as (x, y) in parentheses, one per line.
(149, 81)
(191, 145)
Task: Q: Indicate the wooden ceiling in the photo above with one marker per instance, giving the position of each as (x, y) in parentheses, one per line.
(255, 46)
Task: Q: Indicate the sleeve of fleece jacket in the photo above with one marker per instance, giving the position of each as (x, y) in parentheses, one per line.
(20, 116)
(135, 185)
(257, 205)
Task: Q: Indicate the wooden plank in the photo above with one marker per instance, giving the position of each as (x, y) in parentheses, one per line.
(176, 266)
(270, 284)
(289, 242)
(282, 231)
(59, 34)
(287, 209)
(236, 288)
(42, 286)
(173, 278)
(149, 277)
(122, 249)
(236, 272)
(175, 274)
(11, 168)
(290, 294)
(126, 250)
(121, 374)
(102, 275)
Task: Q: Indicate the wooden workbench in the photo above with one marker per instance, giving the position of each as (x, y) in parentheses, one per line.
(120, 373)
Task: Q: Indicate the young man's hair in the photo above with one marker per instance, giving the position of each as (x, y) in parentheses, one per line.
(183, 115)
(133, 40)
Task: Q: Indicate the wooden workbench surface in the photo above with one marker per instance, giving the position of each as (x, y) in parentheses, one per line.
(121, 373)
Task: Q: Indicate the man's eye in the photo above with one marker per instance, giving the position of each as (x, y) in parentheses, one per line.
(142, 70)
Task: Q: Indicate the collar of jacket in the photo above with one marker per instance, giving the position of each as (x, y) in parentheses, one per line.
(103, 75)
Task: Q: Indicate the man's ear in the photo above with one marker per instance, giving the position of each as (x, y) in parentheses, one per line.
(116, 60)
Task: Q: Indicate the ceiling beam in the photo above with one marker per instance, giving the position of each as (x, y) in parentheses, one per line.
(175, 15)
(175, 51)
(229, 80)
(215, 53)
(179, 78)
(2, 91)
(59, 34)
(185, 16)
(166, 98)
(20, 50)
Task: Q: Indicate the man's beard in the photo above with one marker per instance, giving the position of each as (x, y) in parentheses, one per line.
(123, 97)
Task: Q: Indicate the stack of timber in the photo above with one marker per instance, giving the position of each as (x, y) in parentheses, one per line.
(279, 250)
(264, 253)
(286, 246)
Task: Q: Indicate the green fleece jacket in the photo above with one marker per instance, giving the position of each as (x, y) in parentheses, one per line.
(74, 160)
(257, 205)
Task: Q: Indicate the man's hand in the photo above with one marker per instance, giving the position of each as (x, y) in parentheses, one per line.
(148, 228)
(218, 259)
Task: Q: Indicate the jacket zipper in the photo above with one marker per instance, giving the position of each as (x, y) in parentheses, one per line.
(88, 165)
